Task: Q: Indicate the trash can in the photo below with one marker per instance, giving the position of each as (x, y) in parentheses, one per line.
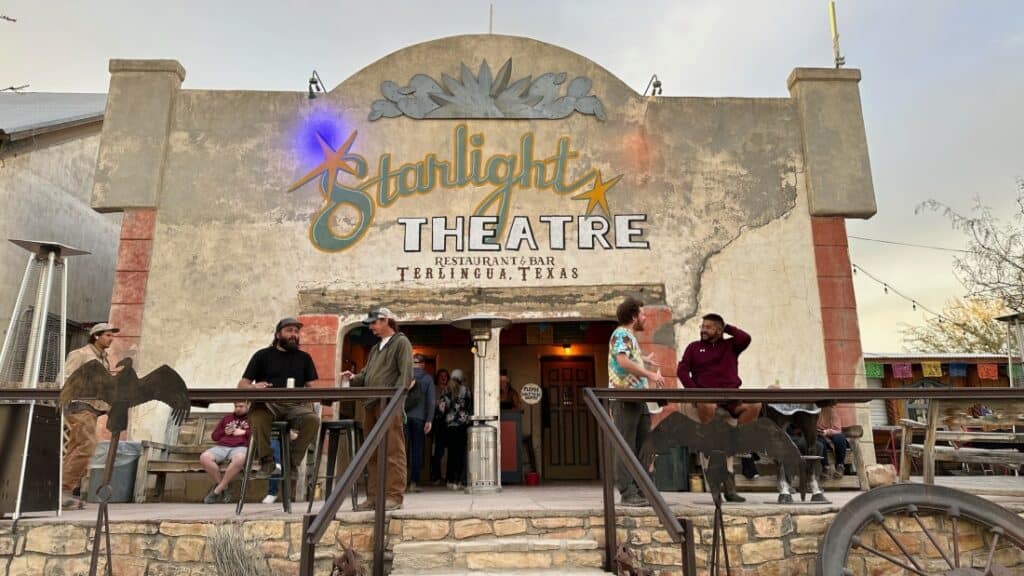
(672, 470)
(122, 478)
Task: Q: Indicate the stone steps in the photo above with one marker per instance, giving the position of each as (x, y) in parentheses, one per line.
(500, 555)
(511, 572)
(565, 571)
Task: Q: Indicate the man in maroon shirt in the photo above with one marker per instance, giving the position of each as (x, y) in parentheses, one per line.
(713, 362)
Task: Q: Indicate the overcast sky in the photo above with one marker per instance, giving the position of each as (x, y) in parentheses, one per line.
(942, 88)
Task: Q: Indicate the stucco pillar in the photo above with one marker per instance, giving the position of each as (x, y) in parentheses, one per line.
(834, 143)
(136, 125)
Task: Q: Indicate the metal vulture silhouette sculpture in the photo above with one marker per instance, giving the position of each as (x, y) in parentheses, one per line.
(717, 440)
(120, 391)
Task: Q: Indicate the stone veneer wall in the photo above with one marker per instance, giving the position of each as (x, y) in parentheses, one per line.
(762, 545)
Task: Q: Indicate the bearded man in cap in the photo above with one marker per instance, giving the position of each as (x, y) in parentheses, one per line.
(389, 365)
(82, 423)
(272, 367)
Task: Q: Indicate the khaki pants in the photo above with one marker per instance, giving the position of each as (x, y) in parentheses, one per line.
(395, 487)
(78, 451)
(300, 417)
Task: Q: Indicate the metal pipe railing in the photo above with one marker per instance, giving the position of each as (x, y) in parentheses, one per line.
(314, 526)
(613, 443)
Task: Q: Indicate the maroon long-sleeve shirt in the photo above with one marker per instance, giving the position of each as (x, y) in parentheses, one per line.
(222, 439)
(713, 364)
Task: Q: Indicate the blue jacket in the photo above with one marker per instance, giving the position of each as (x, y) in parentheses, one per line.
(424, 410)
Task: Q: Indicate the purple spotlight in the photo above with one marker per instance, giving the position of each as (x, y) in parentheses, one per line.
(325, 122)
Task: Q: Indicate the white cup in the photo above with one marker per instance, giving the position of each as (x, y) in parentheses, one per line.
(291, 383)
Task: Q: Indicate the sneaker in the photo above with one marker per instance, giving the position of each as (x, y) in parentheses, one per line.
(365, 505)
(225, 497)
(453, 486)
(270, 498)
(392, 505)
(212, 497)
(413, 488)
(70, 502)
(828, 472)
(439, 482)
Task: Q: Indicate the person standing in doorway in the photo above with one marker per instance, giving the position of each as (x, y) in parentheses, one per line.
(438, 432)
(713, 362)
(273, 367)
(389, 365)
(626, 370)
(419, 412)
(81, 419)
(457, 405)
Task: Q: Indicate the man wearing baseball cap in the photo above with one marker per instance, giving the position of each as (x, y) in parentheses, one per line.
(82, 422)
(389, 365)
(273, 367)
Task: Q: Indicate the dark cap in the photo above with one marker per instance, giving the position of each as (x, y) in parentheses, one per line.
(287, 322)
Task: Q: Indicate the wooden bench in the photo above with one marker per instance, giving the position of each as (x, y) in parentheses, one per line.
(181, 457)
(954, 422)
(768, 479)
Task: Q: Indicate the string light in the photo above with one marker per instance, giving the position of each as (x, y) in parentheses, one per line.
(913, 301)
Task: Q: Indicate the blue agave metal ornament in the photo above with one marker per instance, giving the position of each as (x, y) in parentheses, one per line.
(485, 95)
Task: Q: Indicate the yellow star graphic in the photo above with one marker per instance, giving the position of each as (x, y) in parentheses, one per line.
(333, 161)
(596, 196)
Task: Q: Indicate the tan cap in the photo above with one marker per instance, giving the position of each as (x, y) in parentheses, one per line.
(103, 327)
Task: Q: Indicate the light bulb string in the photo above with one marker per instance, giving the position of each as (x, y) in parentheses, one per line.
(886, 287)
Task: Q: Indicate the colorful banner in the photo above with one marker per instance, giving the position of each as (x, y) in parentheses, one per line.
(988, 371)
(902, 370)
(931, 369)
(958, 369)
(874, 370)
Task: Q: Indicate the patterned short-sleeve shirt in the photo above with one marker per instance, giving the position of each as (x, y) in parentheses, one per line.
(624, 342)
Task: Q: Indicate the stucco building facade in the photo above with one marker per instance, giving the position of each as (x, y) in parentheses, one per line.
(483, 174)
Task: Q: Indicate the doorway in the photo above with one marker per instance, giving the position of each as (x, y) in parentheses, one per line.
(570, 431)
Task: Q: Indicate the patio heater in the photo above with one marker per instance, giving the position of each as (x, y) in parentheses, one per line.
(1014, 331)
(33, 352)
(482, 441)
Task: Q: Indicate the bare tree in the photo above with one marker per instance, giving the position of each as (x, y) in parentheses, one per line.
(993, 267)
(966, 325)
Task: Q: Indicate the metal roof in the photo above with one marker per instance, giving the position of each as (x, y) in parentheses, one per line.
(25, 114)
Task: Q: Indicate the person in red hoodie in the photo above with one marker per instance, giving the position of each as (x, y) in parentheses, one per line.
(232, 438)
(713, 362)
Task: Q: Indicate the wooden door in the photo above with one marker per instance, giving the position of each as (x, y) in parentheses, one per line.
(570, 432)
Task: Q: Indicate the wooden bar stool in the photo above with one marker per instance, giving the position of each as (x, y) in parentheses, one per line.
(281, 429)
(331, 431)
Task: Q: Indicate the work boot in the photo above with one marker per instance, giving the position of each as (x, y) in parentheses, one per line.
(365, 505)
(730, 490)
(268, 467)
(390, 504)
(634, 500)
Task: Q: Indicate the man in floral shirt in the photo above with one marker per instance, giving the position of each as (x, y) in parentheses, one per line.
(626, 369)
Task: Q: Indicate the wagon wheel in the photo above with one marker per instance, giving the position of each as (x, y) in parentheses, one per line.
(965, 535)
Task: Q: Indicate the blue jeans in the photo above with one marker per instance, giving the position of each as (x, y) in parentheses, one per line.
(841, 445)
(439, 432)
(414, 438)
(275, 481)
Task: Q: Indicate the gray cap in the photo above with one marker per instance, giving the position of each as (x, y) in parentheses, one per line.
(103, 327)
(287, 322)
(378, 314)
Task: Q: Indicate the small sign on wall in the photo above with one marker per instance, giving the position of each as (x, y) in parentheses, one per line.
(531, 393)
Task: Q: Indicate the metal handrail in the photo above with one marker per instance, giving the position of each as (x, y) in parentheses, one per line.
(314, 525)
(614, 444)
(681, 530)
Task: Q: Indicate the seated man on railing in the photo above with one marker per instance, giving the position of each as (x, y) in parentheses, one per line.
(273, 367)
(713, 362)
